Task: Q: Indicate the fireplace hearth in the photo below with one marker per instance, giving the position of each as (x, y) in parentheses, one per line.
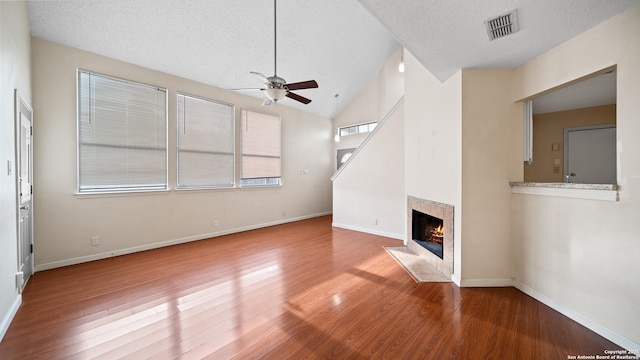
(430, 232)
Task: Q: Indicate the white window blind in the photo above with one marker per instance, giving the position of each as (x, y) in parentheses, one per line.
(122, 135)
(260, 149)
(205, 143)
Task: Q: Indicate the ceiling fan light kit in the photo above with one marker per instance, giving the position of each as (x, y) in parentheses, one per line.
(275, 94)
(276, 87)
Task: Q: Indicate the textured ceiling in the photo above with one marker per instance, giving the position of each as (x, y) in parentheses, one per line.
(336, 42)
(449, 35)
(217, 42)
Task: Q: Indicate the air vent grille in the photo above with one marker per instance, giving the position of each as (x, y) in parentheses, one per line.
(502, 25)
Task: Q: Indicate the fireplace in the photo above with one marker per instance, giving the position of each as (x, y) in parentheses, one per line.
(430, 232)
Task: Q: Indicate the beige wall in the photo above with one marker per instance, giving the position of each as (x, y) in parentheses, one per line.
(491, 157)
(548, 129)
(15, 73)
(65, 222)
(582, 255)
(368, 194)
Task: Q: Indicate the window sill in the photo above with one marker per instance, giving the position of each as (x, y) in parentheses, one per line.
(604, 192)
(203, 189)
(110, 194)
(259, 187)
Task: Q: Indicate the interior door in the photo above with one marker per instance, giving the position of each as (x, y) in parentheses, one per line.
(590, 155)
(25, 190)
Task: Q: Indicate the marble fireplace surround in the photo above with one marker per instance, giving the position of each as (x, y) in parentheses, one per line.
(441, 211)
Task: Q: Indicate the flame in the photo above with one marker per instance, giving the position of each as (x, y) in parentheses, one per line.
(439, 230)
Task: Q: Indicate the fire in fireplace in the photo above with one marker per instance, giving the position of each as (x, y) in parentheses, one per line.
(428, 232)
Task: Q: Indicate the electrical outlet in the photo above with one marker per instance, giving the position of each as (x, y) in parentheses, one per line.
(95, 241)
(375, 221)
(215, 222)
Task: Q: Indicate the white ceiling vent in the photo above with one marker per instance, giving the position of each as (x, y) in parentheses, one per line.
(502, 25)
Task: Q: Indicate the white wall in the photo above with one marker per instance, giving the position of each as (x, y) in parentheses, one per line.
(372, 104)
(433, 143)
(65, 223)
(368, 192)
(14, 74)
(582, 255)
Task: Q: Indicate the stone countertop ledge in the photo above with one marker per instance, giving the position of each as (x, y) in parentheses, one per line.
(566, 185)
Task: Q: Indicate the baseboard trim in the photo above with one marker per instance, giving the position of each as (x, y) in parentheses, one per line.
(486, 282)
(157, 245)
(456, 279)
(369, 231)
(8, 317)
(580, 319)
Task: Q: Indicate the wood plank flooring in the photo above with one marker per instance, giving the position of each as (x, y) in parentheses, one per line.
(302, 290)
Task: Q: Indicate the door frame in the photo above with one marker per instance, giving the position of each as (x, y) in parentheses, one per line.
(21, 104)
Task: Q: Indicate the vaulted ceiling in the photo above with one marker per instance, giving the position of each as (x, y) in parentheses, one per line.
(342, 44)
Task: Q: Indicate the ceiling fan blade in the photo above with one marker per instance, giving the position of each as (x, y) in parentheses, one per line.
(310, 84)
(297, 97)
(262, 78)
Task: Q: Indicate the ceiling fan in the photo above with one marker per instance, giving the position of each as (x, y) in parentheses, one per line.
(276, 88)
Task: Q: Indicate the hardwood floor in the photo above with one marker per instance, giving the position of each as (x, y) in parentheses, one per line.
(302, 290)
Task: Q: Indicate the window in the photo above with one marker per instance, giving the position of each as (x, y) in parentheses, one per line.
(122, 135)
(358, 129)
(205, 143)
(260, 149)
(343, 155)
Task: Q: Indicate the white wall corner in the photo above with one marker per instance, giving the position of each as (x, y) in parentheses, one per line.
(369, 231)
(8, 317)
(456, 279)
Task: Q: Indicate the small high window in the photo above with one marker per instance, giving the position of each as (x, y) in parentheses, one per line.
(358, 129)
